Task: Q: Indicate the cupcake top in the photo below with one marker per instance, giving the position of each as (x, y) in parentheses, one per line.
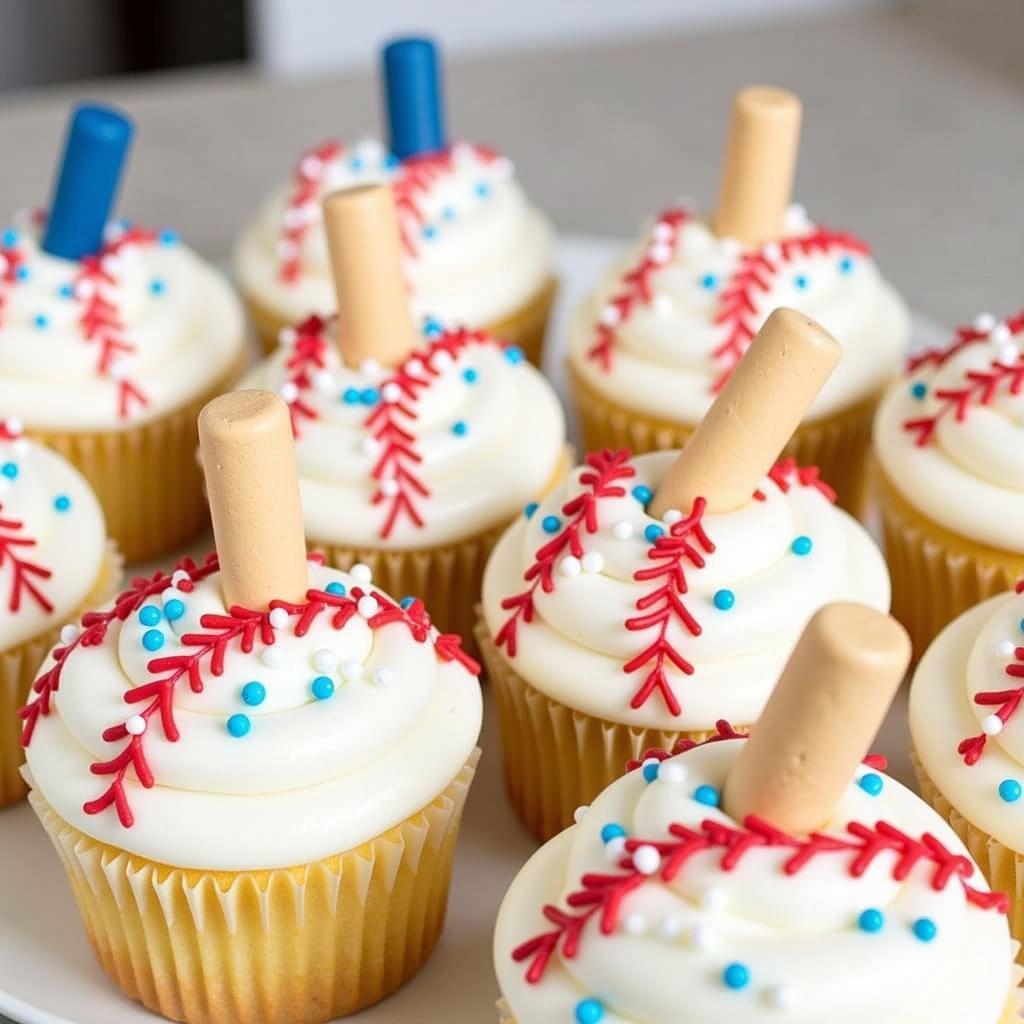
(112, 340)
(212, 738)
(669, 321)
(476, 248)
(52, 538)
(966, 716)
(657, 906)
(454, 441)
(670, 624)
(954, 427)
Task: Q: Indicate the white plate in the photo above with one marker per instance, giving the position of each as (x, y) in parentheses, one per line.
(47, 971)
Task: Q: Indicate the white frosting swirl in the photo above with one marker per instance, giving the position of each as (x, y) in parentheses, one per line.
(58, 514)
(478, 248)
(664, 363)
(969, 476)
(181, 321)
(479, 457)
(313, 776)
(969, 658)
(797, 936)
(575, 648)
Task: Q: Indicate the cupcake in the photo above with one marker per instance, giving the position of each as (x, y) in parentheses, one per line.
(662, 331)
(111, 339)
(414, 452)
(253, 769)
(965, 704)
(649, 596)
(476, 251)
(949, 446)
(55, 562)
(672, 899)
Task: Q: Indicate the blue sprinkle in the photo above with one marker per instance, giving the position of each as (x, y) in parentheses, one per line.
(871, 783)
(369, 396)
(482, 189)
(530, 509)
(736, 976)
(429, 231)
(174, 609)
(589, 1011)
(651, 771)
(350, 396)
(42, 321)
(169, 237)
(448, 213)
(10, 470)
(551, 524)
(653, 531)
(707, 795)
(919, 389)
(254, 693)
(407, 602)
(642, 493)
(459, 428)
(1021, 624)
(724, 600)
(514, 354)
(323, 687)
(22, 273)
(871, 921)
(432, 327)
(356, 163)
(157, 286)
(152, 639)
(802, 545)
(802, 281)
(336, 588)
(62, 503)
(1009, 790)
(709, 282)
(470, 375)
(846, 265)
(612, 831)
(66, 291)
(391, 161)
(925, 929)
(239, 726)
(150, 615)
(9, 239)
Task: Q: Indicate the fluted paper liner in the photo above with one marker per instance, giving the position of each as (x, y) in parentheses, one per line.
(936, 574)
(525, 326)
(555, 757)
(296, 945)
(147, 478)
(838, 444)
(19, 668)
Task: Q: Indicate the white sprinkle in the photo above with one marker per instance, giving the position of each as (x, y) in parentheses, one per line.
(1008, 353)
(670, 928)
(311, 167)
(999, 334)
(287, 336)
(593, 561)
(577, 815)
(781, 997)
(294, 217)
(659, 253)
(796, 214)
(389, 487)
(991, 725)
(361, 572)
(442, 359)
(714, 899)
(20, 446)
(662, 304)
(370, 445)
(570, 566)
(325, 660)
(289, 391)
(663, 232)
(984, 322)
(352, 670)
(118, 369)
(69, 634)
(731, 246)
(703, 936)
(771, 251)
(367, 606)
(370, 368)
(672, 772)
(672, 515)
(178, 577)
(13, 425)
(384, 676)
(287, 249)
(610, 316)
(85, 290)
(622, 530)
(1007, 649)
(324, 381)
(391, 392)
(414, 366)
(111, 265)
(634, 924)
(4, 264)
(135, 726)
(615, 848)
(272, 657)
(646, 859)
(278, 618)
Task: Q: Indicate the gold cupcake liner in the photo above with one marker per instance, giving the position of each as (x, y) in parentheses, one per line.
(936, 574)
(556, 758)
(147, 478)
(525, 326)
(296, 945)
(19, 668)
(838, 444)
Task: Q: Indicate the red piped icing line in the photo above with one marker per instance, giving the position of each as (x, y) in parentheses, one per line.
(11, 258)
(239, 629)
(963, 337)
(787, 472)
(600, 897)
(26, 575)
(301, 210)
(100, 319)
(307, 357)
(1004, 703)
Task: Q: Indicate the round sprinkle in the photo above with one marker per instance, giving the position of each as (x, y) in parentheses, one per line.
(613, 830)
(871, 783)
(135, 726)
(714, 898)
(168, 237)
(239, 726)
(615, 848)
(149, 615)
(10, 470)
(642, 493)
(703, 936)
(9, 239)
(570, 566)
(709, 282)
(367, 606)
(653, 531)
(724, 600)
(352, 670)
(991, 725)
(66, 291)
(23, 273)
(919, 389)
(577, 815)
(448, 213)
(361, 573)
(515, 355)
(152, 639)
(634, 924)
(391, 392)
(482, 189)
(432, 328)
(781, 997)
(670, 928)
(802, 282)
(157, 286)
(323, 687)
(530, 509)
(707, 795)
(736, 976)
(802, 545)
(278, 618)
(672, 516)
(589, 1011)
(383, 676)
(324, 660)
(407, 602)
(174, 609)
(470, 375)
(1009, 791)
(845, 265)
(622, 530)
(336, 588)
(925, 929)
(672, 772)
(460, 428)
(272, 657)
(871, 921)
(369, 396)
(254, 693)
(593, 561)
(69, 634)
(551, 524)
(651, 770)
(42, 321)
(350, 396)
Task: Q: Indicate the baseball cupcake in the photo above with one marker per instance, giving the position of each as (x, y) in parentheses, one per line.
(775, 879)
(111, 339)
(949, 442)
(648, 597)
(55, 562)
(665, 327)
(476, 251)
(414, 452)
(254, 769)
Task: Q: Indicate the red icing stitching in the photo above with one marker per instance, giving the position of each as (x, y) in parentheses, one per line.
(11, 258)
(601, 480)
(25, 574)
(309, 173)
(308, 355)
(787, 471)
(962, 338)
(723, 731)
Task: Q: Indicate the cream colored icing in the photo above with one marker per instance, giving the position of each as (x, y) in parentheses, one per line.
(479, 248)
(489, 432)
(44, 500)
(663, 363)
(577, 645)
(798, 935)
(311, 778)
(970, 657)
(179, 314)
(969, 477)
